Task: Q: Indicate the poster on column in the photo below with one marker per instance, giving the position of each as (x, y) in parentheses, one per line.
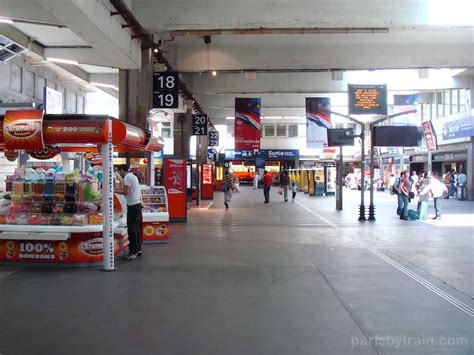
(247, 123)
(318, 120)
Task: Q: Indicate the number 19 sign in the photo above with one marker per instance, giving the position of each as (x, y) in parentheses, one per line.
(165, 90)
(200, 125)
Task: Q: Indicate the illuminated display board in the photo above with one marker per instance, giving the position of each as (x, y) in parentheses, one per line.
(367, 99)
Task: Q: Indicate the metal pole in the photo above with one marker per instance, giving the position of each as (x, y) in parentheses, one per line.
(108, 202)
(371, 206)
(198, 170)
(340, 185)
(362, 173)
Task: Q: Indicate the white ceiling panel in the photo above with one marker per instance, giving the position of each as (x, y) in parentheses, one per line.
(50, 36)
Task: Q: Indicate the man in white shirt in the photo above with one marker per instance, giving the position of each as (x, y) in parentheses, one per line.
(131, 190)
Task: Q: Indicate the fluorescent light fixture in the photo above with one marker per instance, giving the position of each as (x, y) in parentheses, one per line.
(63, 61)
(104, 85)
(292, 117)
(272, 117)
(230, 118)
(155, 50)
(5, 20)
(214, 73)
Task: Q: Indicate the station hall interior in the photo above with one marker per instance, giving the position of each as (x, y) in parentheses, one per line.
(270, 141)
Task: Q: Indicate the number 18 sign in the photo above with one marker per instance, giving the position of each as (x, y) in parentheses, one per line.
(165, 90)
(200, 125)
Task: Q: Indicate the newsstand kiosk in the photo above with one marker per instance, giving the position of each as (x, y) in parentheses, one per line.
(59, 217)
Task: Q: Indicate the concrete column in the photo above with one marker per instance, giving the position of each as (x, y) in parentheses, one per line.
(135, 91)
(183, 131)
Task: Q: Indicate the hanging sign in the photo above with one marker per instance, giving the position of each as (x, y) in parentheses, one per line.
(93, 158)
(207, 174)
(11, 155)
(165, 90)
(213, 138)
(23, 129)
(200, 125)
(247, 123)
(318, 120)
(45, 153)
(429, 135)
(367, 99)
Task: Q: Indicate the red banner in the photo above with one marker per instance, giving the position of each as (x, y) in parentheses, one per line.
(430, 136)
(81, 248)
(175, 182)
(247, 123)
(47, 152)
(23, 128)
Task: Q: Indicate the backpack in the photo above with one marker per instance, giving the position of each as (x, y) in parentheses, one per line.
(396, 186)
(412, 215)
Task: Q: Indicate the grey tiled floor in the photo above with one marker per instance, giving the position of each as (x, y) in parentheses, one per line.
(278, 278)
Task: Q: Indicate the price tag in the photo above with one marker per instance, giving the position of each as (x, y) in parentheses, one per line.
(213, 139)
(165, 90)
(200, 125)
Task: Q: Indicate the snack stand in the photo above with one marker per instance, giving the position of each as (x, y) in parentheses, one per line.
(57, 218)
(155, 226)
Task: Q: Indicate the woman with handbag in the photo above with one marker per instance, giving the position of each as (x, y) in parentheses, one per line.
(227, 186)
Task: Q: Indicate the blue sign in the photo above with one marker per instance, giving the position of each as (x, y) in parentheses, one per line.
(458, 129)
(279, 154)
(231, 154)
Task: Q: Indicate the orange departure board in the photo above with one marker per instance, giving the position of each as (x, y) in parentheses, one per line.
(367, 99)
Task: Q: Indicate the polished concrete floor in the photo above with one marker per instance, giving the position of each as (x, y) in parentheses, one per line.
(278, 278)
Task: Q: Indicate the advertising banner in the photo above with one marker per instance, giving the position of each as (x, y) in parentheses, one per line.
(235, 154)
(429, 135)
(207, 174)
(23, 129)
(47, 152)
(81, 248)
(75, 131)
(318, 120)
(175, 183)
(247, 123)
(458, 129)
(279, 154)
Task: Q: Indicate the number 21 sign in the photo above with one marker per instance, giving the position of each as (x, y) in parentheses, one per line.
(200, 125)
(165, 90)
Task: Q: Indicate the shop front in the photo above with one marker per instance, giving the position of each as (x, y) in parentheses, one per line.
(448, 161)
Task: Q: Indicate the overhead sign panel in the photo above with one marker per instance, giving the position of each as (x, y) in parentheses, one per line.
(461, 128)
(165, 90)
(340, 137)
(247, 123)
(318, 120)
(213, 138)
(367, 99)
(397, 136)
(200, 125)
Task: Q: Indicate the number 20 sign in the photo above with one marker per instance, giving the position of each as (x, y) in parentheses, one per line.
(165, 90)
(200, 125)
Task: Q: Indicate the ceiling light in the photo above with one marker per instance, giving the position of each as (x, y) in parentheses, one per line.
(5, 20)
(292, 117)
(102, 85)
(214, 73)
(155, 50)
(272, 117)
(230, 118)
(63, 61)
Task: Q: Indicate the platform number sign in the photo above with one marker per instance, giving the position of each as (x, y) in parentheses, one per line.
(213, 139)
(165, 90)
(200, 125)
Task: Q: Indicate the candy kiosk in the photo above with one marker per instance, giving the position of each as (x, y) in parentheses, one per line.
(155, 214)
(61, 217)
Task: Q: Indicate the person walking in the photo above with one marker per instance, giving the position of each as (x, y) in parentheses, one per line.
(285, 185)
(267, 184)
(437, 189)
(405, 189)
(130, 188)
(462, 183)
(422, 207)
(255, 181)
(294, 189)
(228, 185)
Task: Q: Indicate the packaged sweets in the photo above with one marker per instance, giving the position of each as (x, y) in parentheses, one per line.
(60, 188)
(38, 188)
(44, 219)
(16, 198)
(3, 219)
(22, 219)
(11, 219)
(95, 218)
(66, 220)
(70, 208)
(47, 207)
(34, 219)
(55, 219)
(27, 187)
(17, 188)
(27, 197)
(58, 197)
(36, 207)
(58, 208)
(79, 220)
